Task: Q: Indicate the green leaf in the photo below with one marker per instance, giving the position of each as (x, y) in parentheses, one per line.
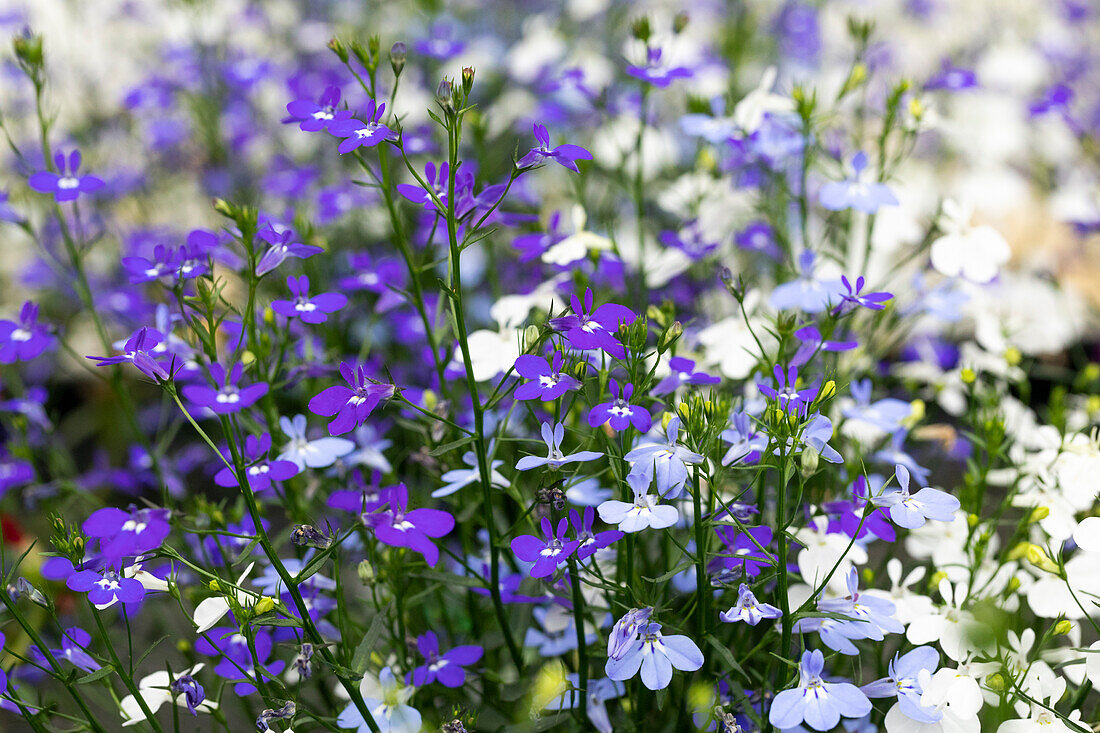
(675, 571)
(370, 640)
(725, 654)
(277, 621)
(448, 447)
(99, 674)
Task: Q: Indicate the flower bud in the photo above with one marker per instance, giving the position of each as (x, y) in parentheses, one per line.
(444, 95)
(828, 390)
(968, 376)
(1013, 356)
(1038, 557)
(1013, 585)
(1038, 514)
(28, 49)
(398, 55)
(1062, 628)
(467, 80)
(995, 682)
(640, 29)
(810, 460)
(530, 335)
(366, 572)
(265, 605)
(339, 49)
(671, 335)
(679, 23)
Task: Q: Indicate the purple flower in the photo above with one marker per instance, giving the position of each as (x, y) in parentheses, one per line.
(594, 329)
(310, 310)
(625, 631)
(13, 472)
(566, 155)
(758, 236)
(260, 471)
(655, 655)
(138, 350)
(816, 434)
(127, 533)
(742, 553)
(813, 341)
(856, 298)
(351, 404)
(808, 292)
(871, 617)
(316, 116)
(904, 683)
(748, 609)
(230, 396)
(73, 643)
(692, 240)
(546, 554)
(786, 395)
(590, 542)
(357, 133)
(952, 78)
(682, 372)
(396, 526)
(107, 587)
(855, 193)
(848, 515)
(547, 382)
(912, 510)
(24, 340)
(447, 669)
(818, 703)
(281, 248)
(236, 663)
(440, 44)
(193, 693)
(65, 185)
(555, 459)
(619, 413)
(657, 73)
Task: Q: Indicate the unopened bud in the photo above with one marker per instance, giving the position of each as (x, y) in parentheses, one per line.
(1062, 628)
(1038, 514)
(443, 95)
(827, 390)
(28, 48)
(1013, 356)
(467, 80)
(679, 23)
(339, 49)
(968, 376)
(995, 682)
(640, 29)
(265, 605)
(531, 335)
(671, 335)
(1038, 557)
(366, 572)
(810, 461)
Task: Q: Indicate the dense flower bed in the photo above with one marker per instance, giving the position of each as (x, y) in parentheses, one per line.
(511, 367)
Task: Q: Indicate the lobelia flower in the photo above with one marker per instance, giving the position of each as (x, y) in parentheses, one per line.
(228, 398)
(666, 461)
(974, 253)
(818, 703)
(547, 381)
(260, 471)
(952, 692)
(758, 236)
(546, 554)
(459, 478)
(351, 404)
(107, 587)
(139, 350)
(590, 542)
(588, 329)
(911, 511)
(856, 193)
(65, 185)
(385, 699)
(640, 514)
(281, 247)
(565, 155)
(748, 609)
(903, 683)
(787, 396)
(808, 292)
(851, 515)
(895, 454)
(309, 310)
(211, 610)
(682, 372)
(127, 533)
(812, 342)
(745, 552)
(655, 655)
(359, 134)
(656, 72)
(555, 459)
(871, 618)
(316, 116)
(618, 413)
(237, 663)
(397, 526)
(74, 642)
(855, 297)
(746, 443)
(447, 668)
(159, 688)
(305, 453)
(25, 339)
(626, 629)
(816, 434)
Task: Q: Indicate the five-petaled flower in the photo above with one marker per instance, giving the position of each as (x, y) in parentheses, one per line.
(566, 155)
(818, 703)
(555, 459)
(619, 413)
(66, 184)
(398, 526)
(24, 339)
(547, 382)
(748, 609)
(589, 328)
(357, 133)
(314, 116)
(351, 404)
(912, 510)
(447, 668)
(230, 396)
(313, 309)
(545, 554)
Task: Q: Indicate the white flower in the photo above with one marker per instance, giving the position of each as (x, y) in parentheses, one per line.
(1049, 688)
(749, 112)
(822, 551)
(575, 246)
(907, 604)
(642, 513)
(154, 691)
(952, 692)
(972, 252)
(306, 453)
(491, 352)
(951, 626)
(210, 611)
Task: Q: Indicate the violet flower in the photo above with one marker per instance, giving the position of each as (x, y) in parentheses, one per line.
(785, 394)
(656, 72)
(655, 655)
(748, 609)
(65, 185)
(856, 193)
(619, 413)
(555, 459)
(259, 471)
(309, 309)
(667, 461)
(74, 641)
(359, 134)
(281, 248)
(856, 298)
(397, 526)
(25, 339)
(590, 542)
(316, 116)
(128, 533)
(106, 587)
(447, 668)
(138, 350)
(682, 371)
(351, 404)
(547, 381)
(546, 554)
(589, 328)
(565, 155)
(230, 396)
